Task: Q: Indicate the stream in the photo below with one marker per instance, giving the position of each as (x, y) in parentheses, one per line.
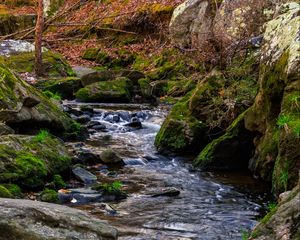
(210, 206)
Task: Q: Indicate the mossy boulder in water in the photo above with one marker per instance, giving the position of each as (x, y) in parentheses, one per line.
(275, 113)
(180, 130)
(28, 160)
(212, 106)
(230, 151)
(118, 90)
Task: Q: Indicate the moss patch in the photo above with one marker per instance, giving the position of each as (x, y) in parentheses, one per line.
(118, 90)
(28, 162)
(65, 87)
(53, 64)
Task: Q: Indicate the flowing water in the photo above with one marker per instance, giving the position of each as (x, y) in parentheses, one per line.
(210, 205)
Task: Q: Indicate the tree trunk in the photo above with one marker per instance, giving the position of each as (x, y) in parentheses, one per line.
(38, 38)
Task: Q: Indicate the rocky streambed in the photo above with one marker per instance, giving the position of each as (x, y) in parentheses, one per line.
(166, 198)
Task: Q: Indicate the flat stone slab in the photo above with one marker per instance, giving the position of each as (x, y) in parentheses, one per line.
(84, 175)
(28, 219)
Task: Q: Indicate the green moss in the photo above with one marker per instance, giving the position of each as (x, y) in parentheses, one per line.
(91, 54)
(28, 162)
(58, 182)
(141, 63)
(65, 88)
(31, 169)
(54, 96)
(41, 136)
(178, 132)
(109, 188)
(49, 195)
(118, 90)
(14, 189)
(5, 193)
(53, 64)
(223, 152)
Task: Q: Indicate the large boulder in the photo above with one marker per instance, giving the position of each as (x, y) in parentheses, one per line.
(64, 87)
(28, 160)
(118, 90)
(275, 113)
(191, 24)
(204, 113)
(24, 108)
(238, 20)
(231, 151)
(283, 222)
(25, 219)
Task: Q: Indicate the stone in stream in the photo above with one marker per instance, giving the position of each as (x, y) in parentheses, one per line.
(83, 118)
(88, 195)
(79, 195)
(99, 126)
(84, 175)
(110, 156)
(134, 123)
(167, 192)
(26, 219)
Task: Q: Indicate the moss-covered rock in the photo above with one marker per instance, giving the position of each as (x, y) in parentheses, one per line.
(14, 189)
(119, 59)
(204, 113)
(28, 160)
(65, 87)
(53, 64)
(180, 130)
(49, 195)
(283, 221)
(287, 164)
(275, 113)
(25, 109)
(5, 193)
(230, 151)
(118, 90)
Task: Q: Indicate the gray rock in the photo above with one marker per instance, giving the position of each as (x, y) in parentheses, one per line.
(99, 126)
(283, 222)
(83, 118)
(25, 106)
(237, 20)
(25, 219)
(191, 23)
(5, 130)
(110, 156)
(81, 71)
(79, 196)
(167, 192)
(84, 175)
(97, 76)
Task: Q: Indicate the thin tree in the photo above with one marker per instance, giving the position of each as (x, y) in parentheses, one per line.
(38, 38)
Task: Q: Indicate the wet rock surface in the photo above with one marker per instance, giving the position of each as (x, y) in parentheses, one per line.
(25, 219)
